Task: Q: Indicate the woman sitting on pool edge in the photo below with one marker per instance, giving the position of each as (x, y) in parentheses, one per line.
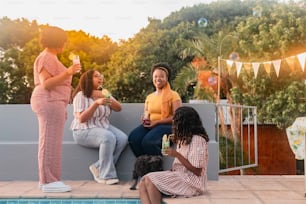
(188, 176)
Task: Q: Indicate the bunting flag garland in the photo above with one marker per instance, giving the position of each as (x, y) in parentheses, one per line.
(291, 61)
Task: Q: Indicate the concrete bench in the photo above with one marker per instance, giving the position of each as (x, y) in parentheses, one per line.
(19, 139)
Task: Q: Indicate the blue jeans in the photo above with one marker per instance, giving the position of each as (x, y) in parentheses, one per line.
(143, 140)
(111, 142)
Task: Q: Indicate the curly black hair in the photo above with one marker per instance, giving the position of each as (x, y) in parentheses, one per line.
(162, 65)
(186, 123)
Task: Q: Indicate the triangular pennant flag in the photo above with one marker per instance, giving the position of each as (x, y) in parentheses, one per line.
(229, 64)
(267, 66)
(276, 64)
(238, 67)
(247, 67)
(255, 66)
(302, 58)
(291, 62)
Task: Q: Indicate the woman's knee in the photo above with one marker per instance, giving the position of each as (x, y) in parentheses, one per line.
(131, 138)
(149, 143)
(144, 181)
(148, 183)
(137, 133)
(141, 184)
(108, 138)
(123, 141)
(134, 139)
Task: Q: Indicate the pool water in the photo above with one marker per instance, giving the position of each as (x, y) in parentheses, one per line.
(69, 201)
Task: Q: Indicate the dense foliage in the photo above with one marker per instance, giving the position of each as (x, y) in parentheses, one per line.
(258, 30)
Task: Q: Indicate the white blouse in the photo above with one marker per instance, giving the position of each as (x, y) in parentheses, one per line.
(99, 118)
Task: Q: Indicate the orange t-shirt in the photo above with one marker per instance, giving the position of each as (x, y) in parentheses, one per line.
(153, 103)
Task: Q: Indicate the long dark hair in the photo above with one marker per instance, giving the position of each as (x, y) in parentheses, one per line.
(186, 123)
(85, 84)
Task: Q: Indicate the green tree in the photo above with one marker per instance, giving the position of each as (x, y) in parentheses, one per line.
(14, 84)
(128, 72)
(278, 33)
(263, 33)
(18, 53)
(266, 30)
(16, 33)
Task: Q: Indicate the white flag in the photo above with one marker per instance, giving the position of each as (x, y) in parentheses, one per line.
(255, 66)
(276, 64)
(238, 67)
(302, 58)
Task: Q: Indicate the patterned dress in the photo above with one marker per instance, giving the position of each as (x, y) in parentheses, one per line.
(179, 181)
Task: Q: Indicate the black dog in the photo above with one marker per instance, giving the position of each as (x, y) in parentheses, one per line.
(145, 164)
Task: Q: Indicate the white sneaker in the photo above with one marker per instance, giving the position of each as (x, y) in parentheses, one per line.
(55, 187)
(95, 172)
(107, 181)
(39, 186)
(112, 181)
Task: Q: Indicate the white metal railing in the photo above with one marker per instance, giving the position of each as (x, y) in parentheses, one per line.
(237, 137)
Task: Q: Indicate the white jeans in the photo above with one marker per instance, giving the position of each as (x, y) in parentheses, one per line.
(111, 142)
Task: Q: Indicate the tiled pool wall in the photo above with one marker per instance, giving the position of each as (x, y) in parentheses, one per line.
(69, 201)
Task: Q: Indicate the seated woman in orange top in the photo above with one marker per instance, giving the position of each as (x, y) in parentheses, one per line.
(159, 107)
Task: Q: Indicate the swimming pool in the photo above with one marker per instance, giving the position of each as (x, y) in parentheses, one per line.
(69, 201)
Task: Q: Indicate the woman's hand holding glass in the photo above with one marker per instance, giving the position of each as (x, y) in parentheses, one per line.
(145, 118)
(76, 64)
(73, 69)
(104, 101)
(169, 151)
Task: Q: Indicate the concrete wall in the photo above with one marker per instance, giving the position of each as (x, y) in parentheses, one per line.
(19, 138)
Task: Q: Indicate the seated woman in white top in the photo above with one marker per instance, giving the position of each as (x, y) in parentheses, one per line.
(91, 127)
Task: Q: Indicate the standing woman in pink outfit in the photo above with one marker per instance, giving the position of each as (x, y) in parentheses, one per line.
(49, 101)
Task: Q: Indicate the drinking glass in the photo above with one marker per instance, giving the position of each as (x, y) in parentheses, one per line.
(76, 59)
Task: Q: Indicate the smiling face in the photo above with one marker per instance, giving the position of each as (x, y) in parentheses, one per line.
(97, 80)
(160, 78)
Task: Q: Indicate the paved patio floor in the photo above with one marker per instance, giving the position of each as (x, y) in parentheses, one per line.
(227, 190)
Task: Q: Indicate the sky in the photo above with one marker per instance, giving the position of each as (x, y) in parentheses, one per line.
(118, 19)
